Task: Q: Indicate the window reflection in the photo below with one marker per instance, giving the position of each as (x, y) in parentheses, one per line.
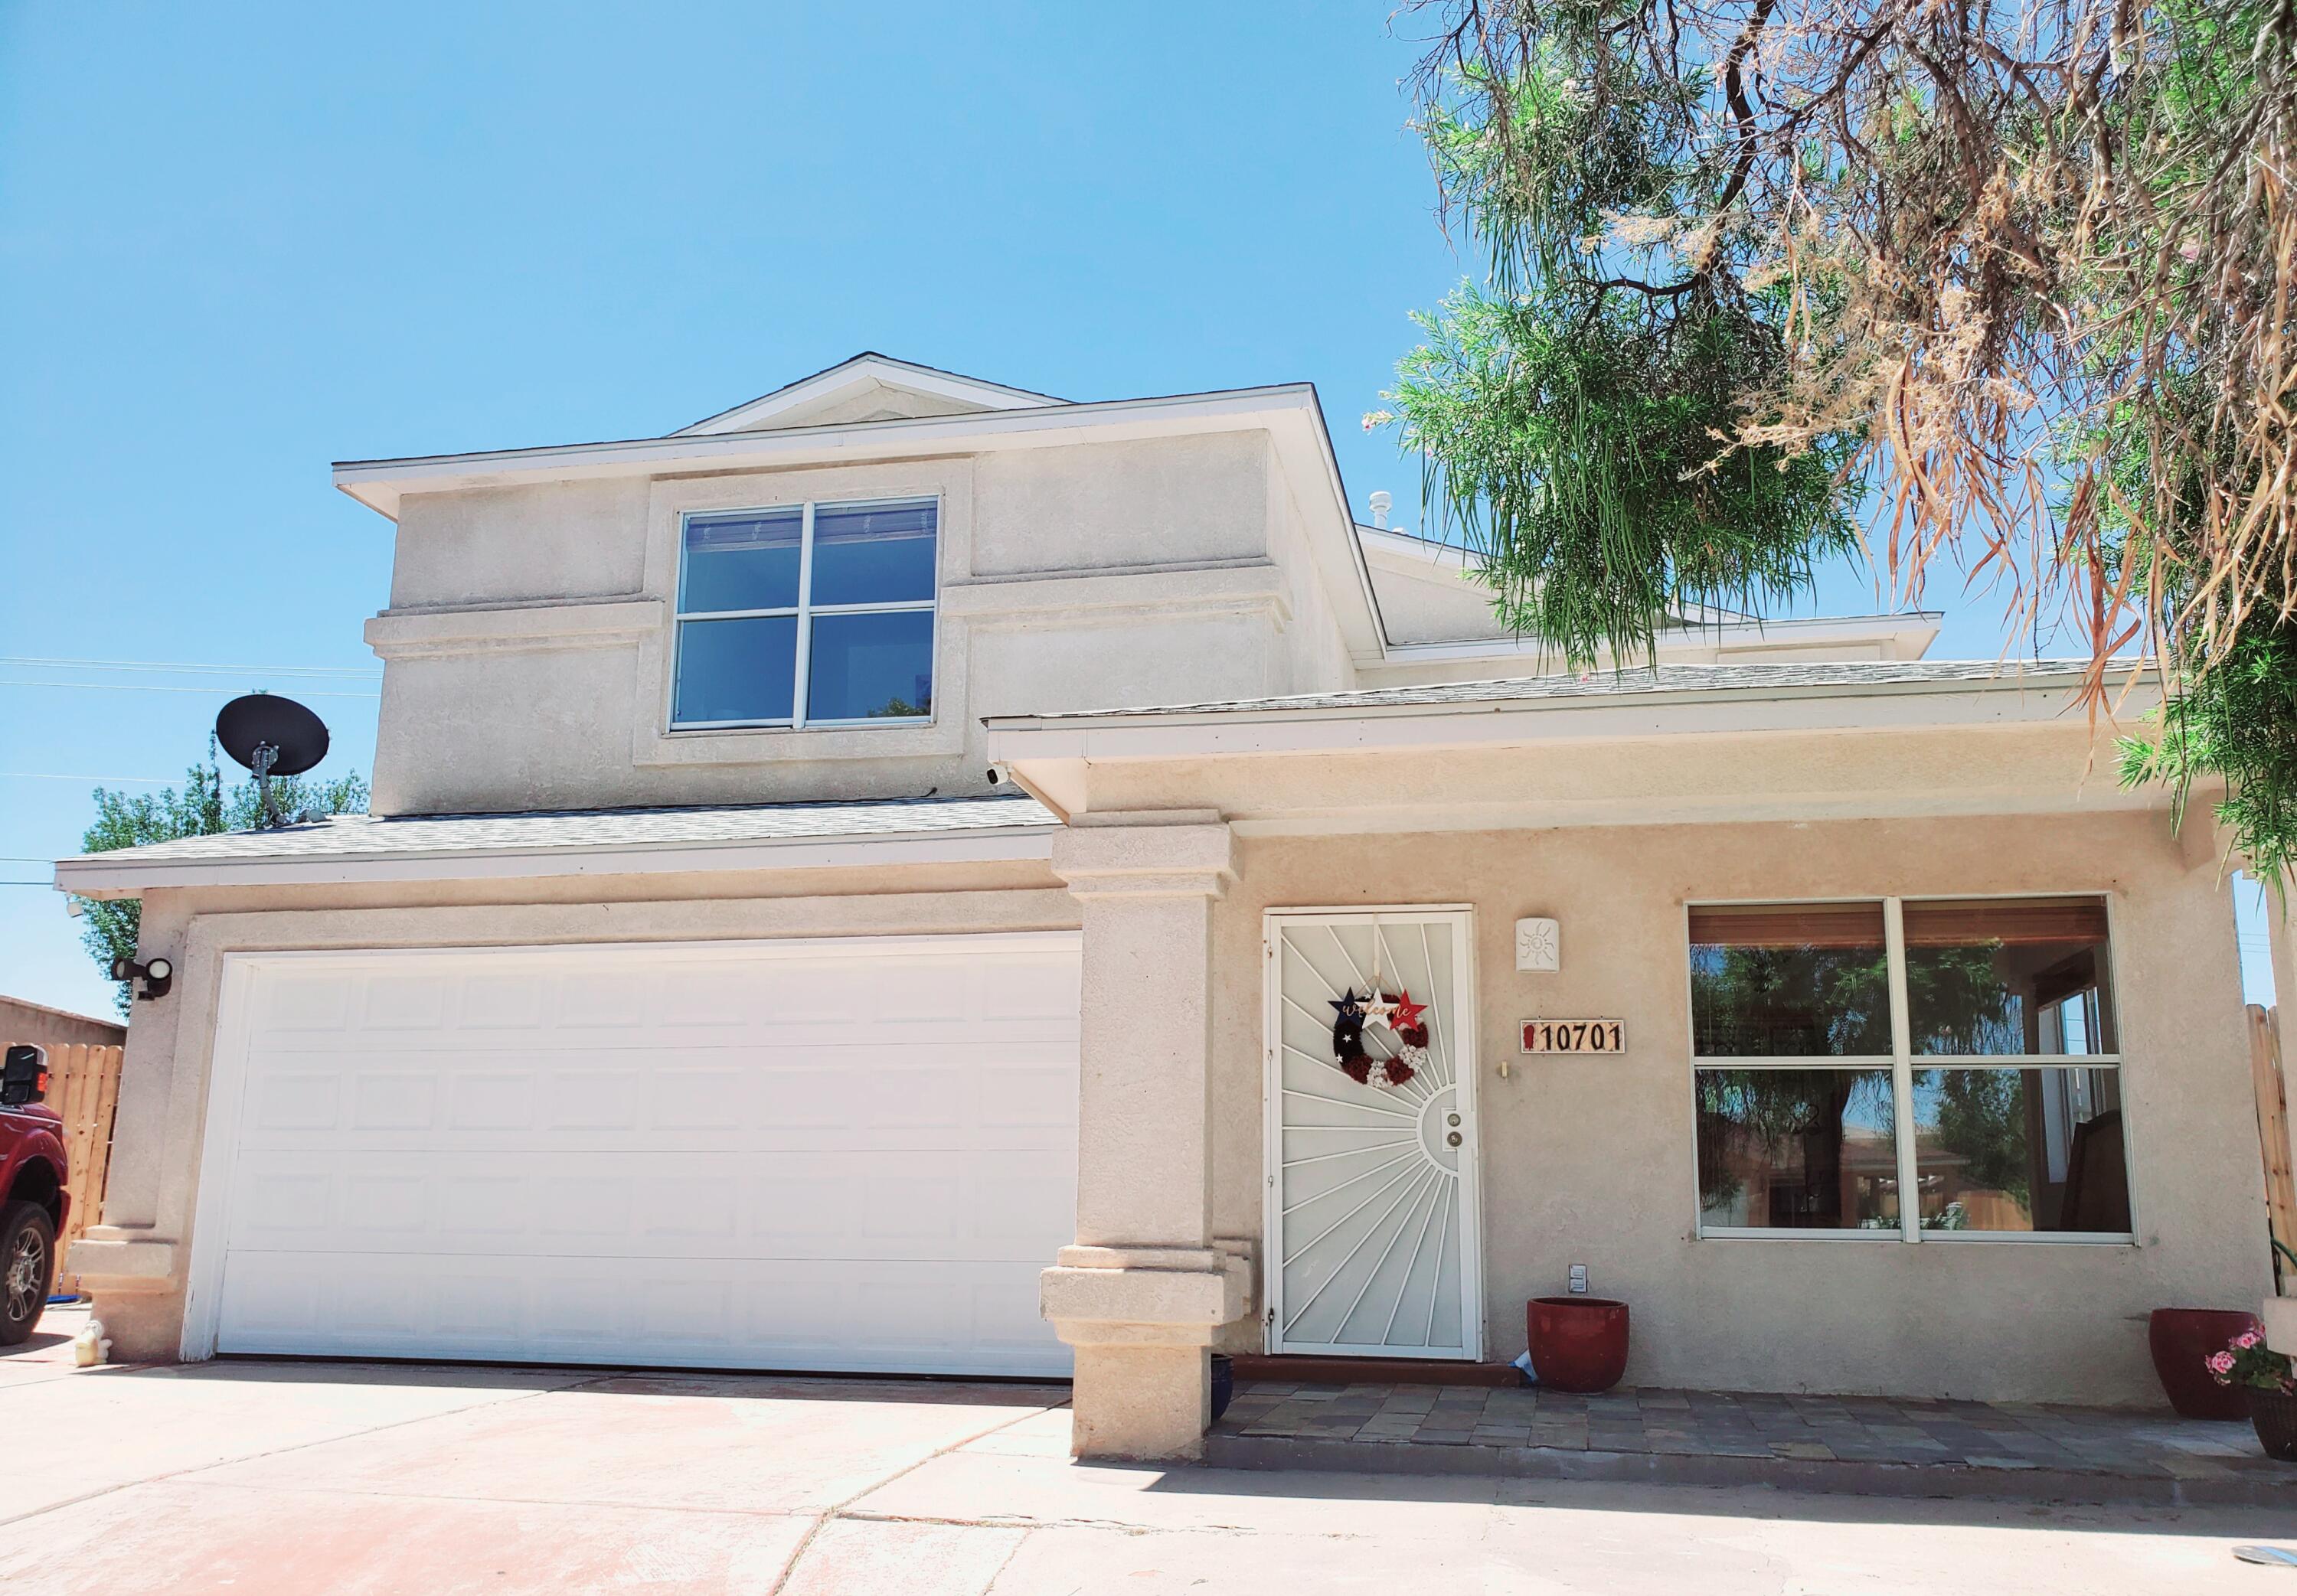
(2012, 978)
(871, 666)
(873, 554)
(1790, 980)
(2011, 1149)
(742, 561)
(736, 671)
(1798, 1149)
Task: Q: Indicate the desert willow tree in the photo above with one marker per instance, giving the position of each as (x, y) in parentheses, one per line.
(1768, 281)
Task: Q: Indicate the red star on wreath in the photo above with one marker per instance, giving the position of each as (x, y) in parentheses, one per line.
(1406, 1012)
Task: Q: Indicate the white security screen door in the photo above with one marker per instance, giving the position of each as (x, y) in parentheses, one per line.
(1373, 1211)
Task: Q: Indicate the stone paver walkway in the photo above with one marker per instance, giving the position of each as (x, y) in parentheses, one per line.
(1877, 1444)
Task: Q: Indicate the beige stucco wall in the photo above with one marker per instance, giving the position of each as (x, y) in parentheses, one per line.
(153, 1183)
(1590, 1160)
(1433, 600)
(501, 544)
(528, 651)
(1108, 506)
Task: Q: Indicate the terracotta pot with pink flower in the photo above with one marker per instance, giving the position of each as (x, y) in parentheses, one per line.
(2181, 1339)
(2268, 1382)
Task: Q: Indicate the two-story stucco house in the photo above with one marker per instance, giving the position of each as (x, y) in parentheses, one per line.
(875, 880)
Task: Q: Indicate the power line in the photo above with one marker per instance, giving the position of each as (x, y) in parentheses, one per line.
(152, 781)
(139, 687)
(363, 672)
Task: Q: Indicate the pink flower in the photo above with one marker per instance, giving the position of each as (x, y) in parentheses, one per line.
(2245, 1340)
(2221, 1362)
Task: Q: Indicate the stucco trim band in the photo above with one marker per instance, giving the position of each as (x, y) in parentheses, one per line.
(92, 879)
(431, 634)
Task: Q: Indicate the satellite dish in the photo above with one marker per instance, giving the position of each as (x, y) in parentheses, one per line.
(271, 736)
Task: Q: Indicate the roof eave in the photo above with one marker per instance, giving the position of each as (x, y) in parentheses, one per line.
(868, 365)
(102, 875)
(2030, 700)
(380, 484)
(1919, 628)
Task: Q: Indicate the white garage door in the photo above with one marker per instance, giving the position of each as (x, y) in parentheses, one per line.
(849, 1155)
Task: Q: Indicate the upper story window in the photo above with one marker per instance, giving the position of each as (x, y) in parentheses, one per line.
(1921, 1068)
(815, 614)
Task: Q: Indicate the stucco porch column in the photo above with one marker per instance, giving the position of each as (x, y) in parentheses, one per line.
(1144, 1290)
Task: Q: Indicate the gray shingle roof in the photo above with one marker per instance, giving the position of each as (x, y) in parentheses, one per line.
(350, 836)
(1782, 677)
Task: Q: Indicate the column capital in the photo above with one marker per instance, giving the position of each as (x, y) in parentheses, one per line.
(1121, 856)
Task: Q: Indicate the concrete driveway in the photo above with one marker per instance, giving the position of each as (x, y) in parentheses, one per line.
(252, 1478)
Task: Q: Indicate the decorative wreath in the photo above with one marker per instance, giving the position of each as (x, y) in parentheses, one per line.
(1399, 1016)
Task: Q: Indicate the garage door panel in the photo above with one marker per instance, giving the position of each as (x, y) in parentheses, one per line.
(859, 1156)
(816, 1204)
(940, 1319)
(507, 1113)
(393, 1100)
(491, 1093)
(413, 1001)
(283, 1098)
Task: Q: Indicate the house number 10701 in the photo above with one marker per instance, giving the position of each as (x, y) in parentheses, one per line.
(1574, 1036)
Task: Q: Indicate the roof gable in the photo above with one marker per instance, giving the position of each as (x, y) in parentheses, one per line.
(870, 387)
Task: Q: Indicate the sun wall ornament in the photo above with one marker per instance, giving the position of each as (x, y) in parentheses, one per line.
(1398, 1016)
(1539, 945)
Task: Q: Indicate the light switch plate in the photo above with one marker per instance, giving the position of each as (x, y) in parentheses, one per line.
(1539, 946)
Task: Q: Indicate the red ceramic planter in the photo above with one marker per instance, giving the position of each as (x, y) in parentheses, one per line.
(2179, 1339)
(1578, 1343)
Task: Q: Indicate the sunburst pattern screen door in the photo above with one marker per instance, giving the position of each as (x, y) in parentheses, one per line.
(1372, 1223)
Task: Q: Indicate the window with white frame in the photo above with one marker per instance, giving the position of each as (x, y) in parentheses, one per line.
(1874, 1068)
(813, 614)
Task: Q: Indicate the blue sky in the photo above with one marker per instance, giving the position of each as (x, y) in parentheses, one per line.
(239, 242)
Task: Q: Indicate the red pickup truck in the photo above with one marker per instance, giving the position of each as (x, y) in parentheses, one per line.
(33, 1201)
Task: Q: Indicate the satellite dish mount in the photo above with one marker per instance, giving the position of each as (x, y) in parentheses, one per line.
(271, 737)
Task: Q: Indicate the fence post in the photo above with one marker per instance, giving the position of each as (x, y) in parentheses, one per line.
(84, 1090)
(2273, 1126)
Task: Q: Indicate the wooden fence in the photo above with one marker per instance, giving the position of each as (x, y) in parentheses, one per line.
(2273, 1126)
(84, 1089)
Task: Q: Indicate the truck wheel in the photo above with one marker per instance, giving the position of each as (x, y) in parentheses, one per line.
(27, 1268)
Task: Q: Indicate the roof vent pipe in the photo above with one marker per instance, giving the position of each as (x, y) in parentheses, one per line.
(1381, 503)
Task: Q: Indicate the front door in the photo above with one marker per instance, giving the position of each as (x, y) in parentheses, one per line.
(1373, 1215)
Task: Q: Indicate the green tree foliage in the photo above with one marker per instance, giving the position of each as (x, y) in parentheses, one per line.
(1751, 1003)
(2019, 281)
(2237, 721)
(1568, 437)
(1790, 1002)
(201, 807)
(1981, 1117)
(1570, 417)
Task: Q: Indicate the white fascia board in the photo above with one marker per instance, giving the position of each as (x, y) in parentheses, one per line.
(99, 875)
(1025, 742)
(868, 368)
(379, 483)
(1338, 549)
(1811, 631)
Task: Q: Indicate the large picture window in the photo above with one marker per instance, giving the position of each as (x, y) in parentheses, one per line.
(806, 615)
(1915, 1069)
